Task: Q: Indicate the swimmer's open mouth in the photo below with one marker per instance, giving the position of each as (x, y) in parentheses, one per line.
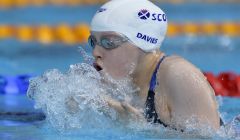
(97, 67)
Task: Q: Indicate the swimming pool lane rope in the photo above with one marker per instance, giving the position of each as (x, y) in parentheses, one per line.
(23, 116)
(224, 84)
(6, 4)
(78, 34)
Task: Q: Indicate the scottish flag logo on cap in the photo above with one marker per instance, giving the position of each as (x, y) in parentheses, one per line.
(144, 14)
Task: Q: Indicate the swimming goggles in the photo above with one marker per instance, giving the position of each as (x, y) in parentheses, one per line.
(107, 42)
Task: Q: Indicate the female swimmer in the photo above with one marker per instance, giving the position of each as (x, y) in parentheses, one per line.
(172, 90)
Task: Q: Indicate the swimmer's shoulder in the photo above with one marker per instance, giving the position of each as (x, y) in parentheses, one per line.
(175, 64)
(179, 74)
(174, 59)
(187, 90)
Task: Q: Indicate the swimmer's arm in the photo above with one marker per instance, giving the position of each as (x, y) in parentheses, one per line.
(124, 108)
(188, 93)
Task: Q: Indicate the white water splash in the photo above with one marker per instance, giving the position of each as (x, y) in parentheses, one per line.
(75, 100)
(53, 92)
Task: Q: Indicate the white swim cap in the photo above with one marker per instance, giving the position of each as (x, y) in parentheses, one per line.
(144, 23)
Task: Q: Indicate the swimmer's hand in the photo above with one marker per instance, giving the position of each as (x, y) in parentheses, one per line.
(124, 109)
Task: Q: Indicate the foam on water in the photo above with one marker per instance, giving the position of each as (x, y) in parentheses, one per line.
(77, 100)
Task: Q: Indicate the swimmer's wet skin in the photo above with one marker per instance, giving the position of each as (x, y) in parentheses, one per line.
(126, 44)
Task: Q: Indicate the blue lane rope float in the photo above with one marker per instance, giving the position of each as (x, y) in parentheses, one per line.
(14, 84)
(224, 84)
(22, 82)
(3, 84)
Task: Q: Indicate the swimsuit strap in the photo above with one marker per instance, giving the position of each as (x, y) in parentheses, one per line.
(150, 112)
(153, 81)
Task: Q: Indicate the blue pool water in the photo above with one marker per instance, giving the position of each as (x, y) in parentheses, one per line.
(28, 128)
(18, 118)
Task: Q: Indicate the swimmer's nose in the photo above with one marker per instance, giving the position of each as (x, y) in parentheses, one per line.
(97, 52)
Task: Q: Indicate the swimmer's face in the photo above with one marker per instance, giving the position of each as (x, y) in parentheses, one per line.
(118, 62)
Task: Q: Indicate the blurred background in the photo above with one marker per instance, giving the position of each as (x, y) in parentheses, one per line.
(37, 35)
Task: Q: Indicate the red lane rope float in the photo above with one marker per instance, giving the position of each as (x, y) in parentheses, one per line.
(225, 84)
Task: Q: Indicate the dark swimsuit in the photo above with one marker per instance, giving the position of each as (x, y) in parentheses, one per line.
(150, 112)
